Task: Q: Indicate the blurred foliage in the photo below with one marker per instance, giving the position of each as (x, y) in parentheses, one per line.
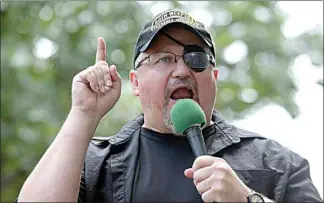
(36, 83)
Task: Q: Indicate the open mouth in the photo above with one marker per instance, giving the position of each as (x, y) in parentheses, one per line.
(182, 93)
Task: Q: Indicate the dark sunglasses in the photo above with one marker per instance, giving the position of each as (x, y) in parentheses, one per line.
(197, 61)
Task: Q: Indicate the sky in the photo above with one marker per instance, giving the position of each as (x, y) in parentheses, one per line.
(303, 134)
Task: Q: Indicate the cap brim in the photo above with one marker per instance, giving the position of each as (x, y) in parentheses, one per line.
(190, 28)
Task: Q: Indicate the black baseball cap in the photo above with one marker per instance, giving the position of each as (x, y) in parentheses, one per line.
(168, 18)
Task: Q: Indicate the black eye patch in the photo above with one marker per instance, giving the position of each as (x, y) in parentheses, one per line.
(193, 48)
(196, 58)
(197, 61)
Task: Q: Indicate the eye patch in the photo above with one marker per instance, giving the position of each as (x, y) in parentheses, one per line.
(194, 56)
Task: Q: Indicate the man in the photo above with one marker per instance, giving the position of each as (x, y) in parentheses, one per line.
(146, 160)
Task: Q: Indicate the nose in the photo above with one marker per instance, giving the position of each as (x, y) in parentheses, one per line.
(181, 69)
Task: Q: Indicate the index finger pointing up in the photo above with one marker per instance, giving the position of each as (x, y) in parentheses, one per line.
(101, 50)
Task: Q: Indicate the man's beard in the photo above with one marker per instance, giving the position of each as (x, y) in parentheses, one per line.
(166, 112)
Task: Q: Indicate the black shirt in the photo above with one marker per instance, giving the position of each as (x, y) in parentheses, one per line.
(262, 164)
(162, 161)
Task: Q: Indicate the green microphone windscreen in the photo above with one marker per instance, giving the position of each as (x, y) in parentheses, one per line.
(186, 113)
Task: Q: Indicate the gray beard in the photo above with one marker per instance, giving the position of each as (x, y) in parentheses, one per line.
(168, 122)
(166, 113)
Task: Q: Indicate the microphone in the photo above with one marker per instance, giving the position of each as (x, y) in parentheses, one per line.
(188, 118)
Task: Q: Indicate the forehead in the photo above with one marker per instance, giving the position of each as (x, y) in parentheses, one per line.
(183, 35)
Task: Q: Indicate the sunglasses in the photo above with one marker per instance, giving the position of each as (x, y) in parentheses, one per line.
(197, 61)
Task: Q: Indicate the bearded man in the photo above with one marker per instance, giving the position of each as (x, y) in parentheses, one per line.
(147, 160)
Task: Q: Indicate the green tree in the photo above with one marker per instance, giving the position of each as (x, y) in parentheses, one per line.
(36, 83)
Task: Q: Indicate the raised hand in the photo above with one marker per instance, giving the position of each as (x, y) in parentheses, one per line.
(96, 89)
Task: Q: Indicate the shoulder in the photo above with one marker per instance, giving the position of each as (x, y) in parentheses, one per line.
(101, 142)
(259, 142)
(247, 142)
(124, 135)
(273, 154)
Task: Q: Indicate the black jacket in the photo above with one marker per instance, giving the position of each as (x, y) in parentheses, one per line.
(262, 164)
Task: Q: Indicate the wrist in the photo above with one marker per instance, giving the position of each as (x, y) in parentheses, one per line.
(254, 197)
(87, 116)
(246, 192)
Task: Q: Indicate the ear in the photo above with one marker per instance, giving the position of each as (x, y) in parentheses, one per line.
(215, 71)
(134, 80)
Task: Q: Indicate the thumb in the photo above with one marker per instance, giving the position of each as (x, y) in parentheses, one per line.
(189, 173)
(115, 77)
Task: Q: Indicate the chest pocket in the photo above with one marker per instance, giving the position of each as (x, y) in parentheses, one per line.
(261, 180)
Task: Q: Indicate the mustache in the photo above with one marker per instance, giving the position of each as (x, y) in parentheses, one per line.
(168, 90)
(180, 81)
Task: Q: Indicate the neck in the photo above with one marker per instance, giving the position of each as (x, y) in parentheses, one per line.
(145, 125)
(208, 124)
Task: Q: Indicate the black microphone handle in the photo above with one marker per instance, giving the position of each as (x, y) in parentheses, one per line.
(196, 140)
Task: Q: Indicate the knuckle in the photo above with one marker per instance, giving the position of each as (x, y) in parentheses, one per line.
(203, 158)
(213, 177)
(206, 197)
(222, 161)
(216, 188)
(92, 75)
(221, 166)
(195, 182)
(221, 177)
(106, 70)
(199, 160)
(101, 64)
(93, 80)
(96, 69)
(198, 186)
(94, 84)
(196, 175)
(219, 160)
(107, 76)
(100, 82)
(226, 168)
(214, 167)
(89, 72)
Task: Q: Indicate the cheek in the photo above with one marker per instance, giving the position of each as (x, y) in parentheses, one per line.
(207, 91)
(151, 90)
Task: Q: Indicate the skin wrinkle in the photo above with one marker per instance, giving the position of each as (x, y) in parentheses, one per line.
(153, 85)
